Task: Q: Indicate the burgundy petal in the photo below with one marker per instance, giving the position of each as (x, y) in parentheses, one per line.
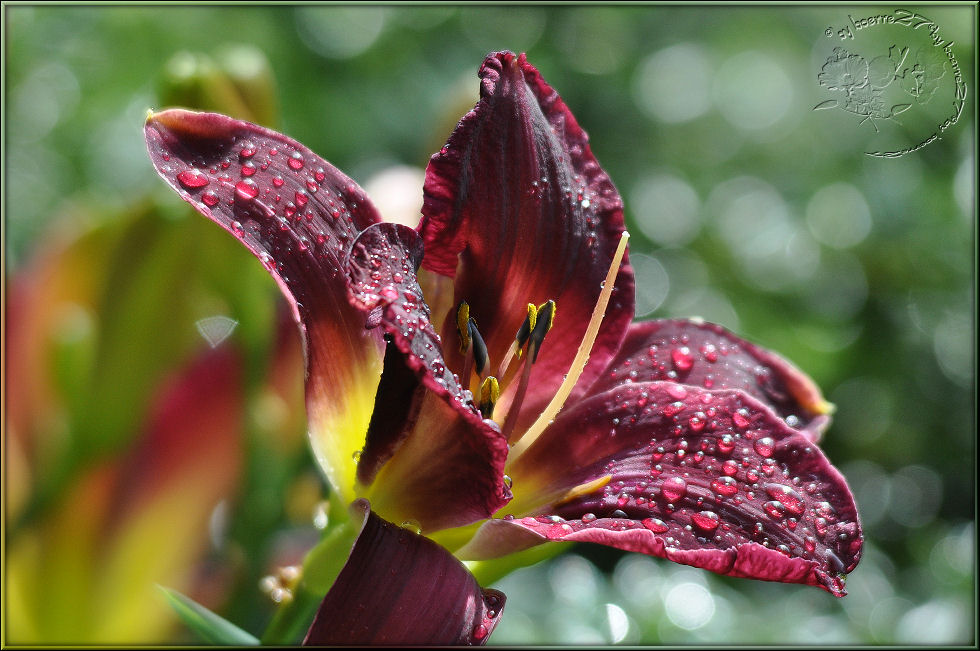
(707, 355)
(399, 588)
(449, 467)
(518, 210)
(298, 214)
(709, 478)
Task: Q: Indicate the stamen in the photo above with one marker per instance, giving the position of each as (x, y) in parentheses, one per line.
(518, 344)
(581, 357)
(489, 394)
(515, 405)
(525, 330)
(462, 326)
(508, 358)
(480, 355)
(546, 319)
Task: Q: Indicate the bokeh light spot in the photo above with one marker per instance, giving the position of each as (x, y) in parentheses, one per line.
(652, 283)
(752, 91)
(838, 215)
(618, 623)
(674, 84)
(689, 605)
(396, 192)
(773, 251)
(339, 32)
(45, 96)
(667, 209)
(953, 343)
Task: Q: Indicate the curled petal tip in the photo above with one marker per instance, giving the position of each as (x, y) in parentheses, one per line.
(823, 407)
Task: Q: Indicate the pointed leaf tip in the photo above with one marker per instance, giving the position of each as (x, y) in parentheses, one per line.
(208, 626)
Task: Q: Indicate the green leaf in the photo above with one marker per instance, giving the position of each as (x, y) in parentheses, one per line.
(320, 568)
(208, 626)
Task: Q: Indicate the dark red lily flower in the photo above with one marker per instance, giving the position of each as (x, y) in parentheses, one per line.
(672, 438)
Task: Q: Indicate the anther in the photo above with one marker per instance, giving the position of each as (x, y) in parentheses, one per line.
(545, 319)
(517, 346)
(480, 355)
(489, 394)
(525, 330)
(462, 326)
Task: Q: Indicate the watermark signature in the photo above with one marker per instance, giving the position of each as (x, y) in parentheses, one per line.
(907, 70)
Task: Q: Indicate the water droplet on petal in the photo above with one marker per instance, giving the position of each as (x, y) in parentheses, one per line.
(246, 189)
(707, 521)
(725, 486)
(674, 489)
(765, 446)
(726, 444)
(210, 199)
(248, 149)
(655, 525)
(682, 358)
(741, 419)
(774, 509)
(672, 409)
(677, 391)
(413, 526)
(296, 161)
(192, 179)
(786, 496)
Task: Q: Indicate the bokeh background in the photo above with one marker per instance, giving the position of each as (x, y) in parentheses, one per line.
(747, 207)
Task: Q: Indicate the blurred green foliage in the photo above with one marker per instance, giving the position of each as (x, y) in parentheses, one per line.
(748, 208)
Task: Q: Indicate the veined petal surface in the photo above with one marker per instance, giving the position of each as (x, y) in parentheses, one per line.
(448, 470)
(400, 588)
(518, 210)
(298, 214)
(706, 355)
(708, 478)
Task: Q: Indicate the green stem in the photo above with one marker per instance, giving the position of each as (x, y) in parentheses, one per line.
(320, 568)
